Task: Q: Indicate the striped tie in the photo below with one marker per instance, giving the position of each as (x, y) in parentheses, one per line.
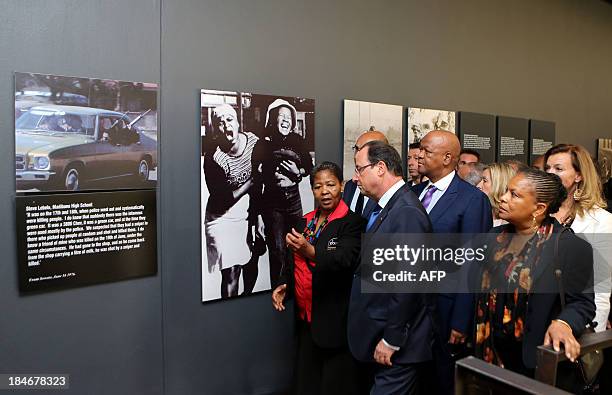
(428, 195)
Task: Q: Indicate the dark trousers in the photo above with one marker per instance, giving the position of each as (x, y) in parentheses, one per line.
(320, 370)
(278, 221)
(399, 379)
(439, 374)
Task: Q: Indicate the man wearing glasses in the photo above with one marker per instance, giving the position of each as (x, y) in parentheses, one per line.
(378, 324)
(351, 195)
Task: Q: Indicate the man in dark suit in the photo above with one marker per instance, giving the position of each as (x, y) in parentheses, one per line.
(351, 195)
(392, 330)
(454, 206)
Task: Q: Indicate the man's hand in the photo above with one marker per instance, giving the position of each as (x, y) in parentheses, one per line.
(278, 297)
(558, 333)
(456, 337)
(383, 353)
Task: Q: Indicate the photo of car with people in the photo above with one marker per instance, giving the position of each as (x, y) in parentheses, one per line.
(77, 147)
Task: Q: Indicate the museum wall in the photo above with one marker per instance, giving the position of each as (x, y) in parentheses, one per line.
(108, 337)
(545, 60)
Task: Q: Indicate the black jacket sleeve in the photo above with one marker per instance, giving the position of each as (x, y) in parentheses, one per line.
(577, 273)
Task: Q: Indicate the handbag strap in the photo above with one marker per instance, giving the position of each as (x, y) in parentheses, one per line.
(558, 271)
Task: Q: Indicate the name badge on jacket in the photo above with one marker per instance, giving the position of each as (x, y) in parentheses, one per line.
(332, 244)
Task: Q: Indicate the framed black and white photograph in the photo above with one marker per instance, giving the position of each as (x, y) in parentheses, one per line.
(361, 116)
(423, 120)
(257, 154)
(79, 133)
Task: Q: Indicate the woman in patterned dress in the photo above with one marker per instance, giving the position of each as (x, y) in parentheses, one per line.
(520, 305)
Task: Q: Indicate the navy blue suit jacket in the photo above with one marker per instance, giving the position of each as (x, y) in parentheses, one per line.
(462, 209)
(347, 195)
(403, 320)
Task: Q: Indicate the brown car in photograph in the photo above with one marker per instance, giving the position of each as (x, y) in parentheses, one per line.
(71, 148)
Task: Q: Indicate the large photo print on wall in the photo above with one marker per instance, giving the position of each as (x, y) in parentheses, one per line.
(423, 120)
(257, 154)
(75, 133)
(361, 116)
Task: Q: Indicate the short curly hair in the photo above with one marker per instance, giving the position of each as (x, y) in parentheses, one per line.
(329, 166)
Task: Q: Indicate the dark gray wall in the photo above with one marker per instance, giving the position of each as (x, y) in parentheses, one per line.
(108, 337)
(545, 59)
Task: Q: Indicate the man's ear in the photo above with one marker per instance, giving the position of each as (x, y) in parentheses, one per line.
(448, 158)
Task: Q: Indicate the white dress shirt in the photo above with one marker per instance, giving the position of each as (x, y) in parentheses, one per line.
(355, 198)
(384, 199)
(596, 227)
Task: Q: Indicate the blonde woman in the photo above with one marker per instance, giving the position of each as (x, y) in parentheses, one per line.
(584, 211)
(495, 178)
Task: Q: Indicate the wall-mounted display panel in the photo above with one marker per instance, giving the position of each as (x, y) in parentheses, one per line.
(72, 240)
(360, 116)
(478, 133)
(423, 120)
(512, 139)
(85, 178)
(541, 138)
(257, 154)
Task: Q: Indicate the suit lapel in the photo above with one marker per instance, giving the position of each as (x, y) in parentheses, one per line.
(418, 188)
(388, 206)
(445, 200)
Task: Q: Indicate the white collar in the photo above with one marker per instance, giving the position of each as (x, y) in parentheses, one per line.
(443, 182)
(384, 199)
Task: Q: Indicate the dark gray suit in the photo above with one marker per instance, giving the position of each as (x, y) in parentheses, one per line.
(403, 320)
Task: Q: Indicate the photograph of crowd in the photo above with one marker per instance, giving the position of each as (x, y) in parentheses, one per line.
(361, 116)
(257, 155)
(77, 133)
(423, 120)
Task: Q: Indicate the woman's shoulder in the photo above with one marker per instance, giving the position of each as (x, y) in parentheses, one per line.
(349, 220)
(596, 220)
(353, 217)
(251, 136)
(569, 241)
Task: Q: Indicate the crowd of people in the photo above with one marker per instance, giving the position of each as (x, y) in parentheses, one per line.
(543, 228)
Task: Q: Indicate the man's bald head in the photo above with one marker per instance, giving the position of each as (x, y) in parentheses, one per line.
(439, 155)
(446, 141)
(369, 135)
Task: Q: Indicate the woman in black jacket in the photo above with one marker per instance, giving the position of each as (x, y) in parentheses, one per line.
(319, 273)
(520, 306)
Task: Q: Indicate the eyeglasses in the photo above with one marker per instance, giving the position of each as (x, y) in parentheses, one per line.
(359, 169)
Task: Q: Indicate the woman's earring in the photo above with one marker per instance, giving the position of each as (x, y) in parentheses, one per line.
(534, 223)
(577, 194)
